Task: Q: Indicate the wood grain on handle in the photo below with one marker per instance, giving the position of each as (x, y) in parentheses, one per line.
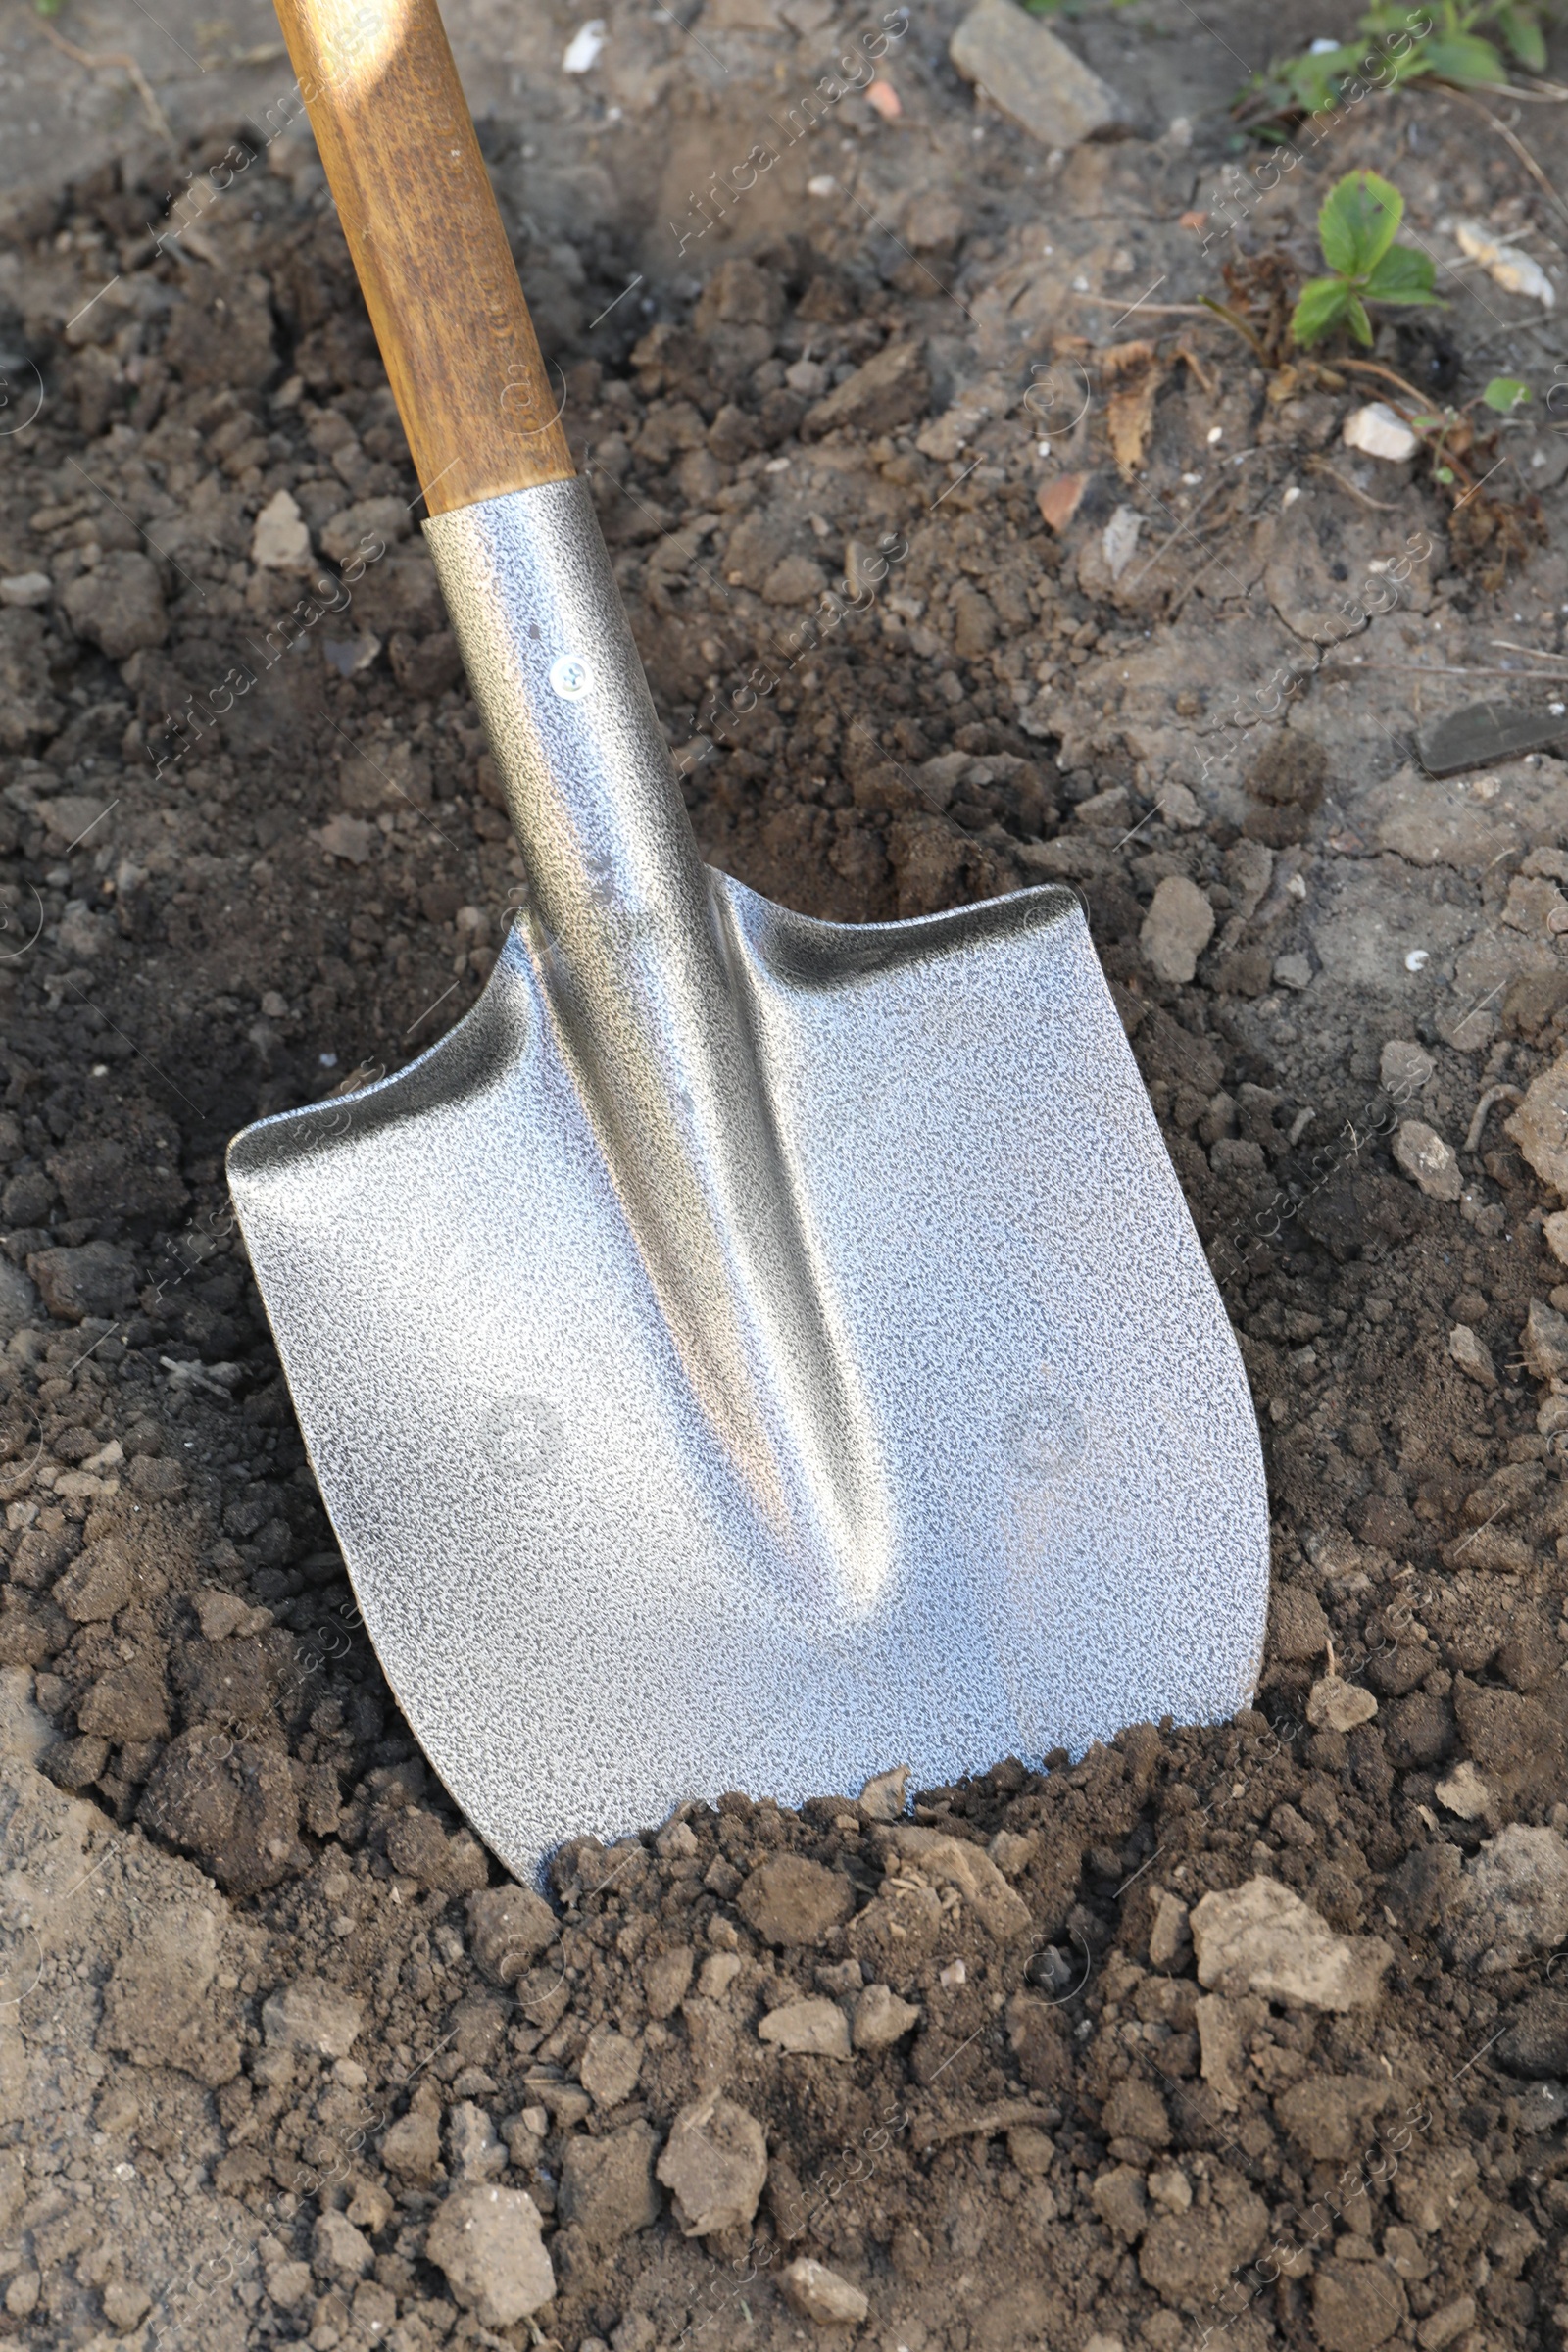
(419, 215)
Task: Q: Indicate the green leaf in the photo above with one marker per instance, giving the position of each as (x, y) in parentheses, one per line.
(1322, 304)
(1359, 324)
(1524, 37)
(1505, 392)
(1358, 223)
(1403, 275)
(1462, 57)
(1443, 473)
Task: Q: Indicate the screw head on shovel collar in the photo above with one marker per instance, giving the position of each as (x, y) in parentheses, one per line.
(747, 1348)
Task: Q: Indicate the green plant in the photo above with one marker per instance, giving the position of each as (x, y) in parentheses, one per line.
(1395, 43)
(1356, 226)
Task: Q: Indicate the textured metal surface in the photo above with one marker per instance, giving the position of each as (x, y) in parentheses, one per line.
(748, 1351)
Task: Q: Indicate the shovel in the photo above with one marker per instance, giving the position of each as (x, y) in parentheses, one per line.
(746, 1349)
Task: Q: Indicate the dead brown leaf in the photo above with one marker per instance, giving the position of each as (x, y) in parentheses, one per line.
(1132, 373)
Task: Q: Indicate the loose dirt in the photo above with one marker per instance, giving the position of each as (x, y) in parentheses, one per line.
(1242, 2035)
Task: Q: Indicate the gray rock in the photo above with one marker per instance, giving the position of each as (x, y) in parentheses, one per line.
(1472, 1355)
(814, 2027)
(310, 2015)
(509, 1927)
(355, 531)
(119, 605)
(953, 1862)
(790, 1901)
(487, 2240)
(1178, 927)
(338, 2251)
(412, 2148)
(713, 2164)
(1483, 733)
(1261, 1938)
(100, 1580)
(607, 2185)
(820, 2294)
(472, 2149)
(1512, 1899)
(883, 1796)
(1023, 69)
(797, 581)
(881, 2018)
(95, 1279)
(1539, 1125)
(665, 1979)
(1546, 1341)
(611, 2064)
(1537, 2039)
(1404, 1068)
(890, 391)
(1425, 1157)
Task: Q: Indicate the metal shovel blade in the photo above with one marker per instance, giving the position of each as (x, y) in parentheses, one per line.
(748, 1351)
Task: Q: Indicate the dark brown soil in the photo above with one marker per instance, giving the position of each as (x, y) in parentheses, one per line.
(252, 843)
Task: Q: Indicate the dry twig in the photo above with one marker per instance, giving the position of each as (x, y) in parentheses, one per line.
(98, 60)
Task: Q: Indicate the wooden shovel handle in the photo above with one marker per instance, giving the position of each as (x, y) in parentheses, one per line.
(419, 215)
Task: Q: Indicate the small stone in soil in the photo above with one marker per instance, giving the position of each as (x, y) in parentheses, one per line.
(714, 2163)
(488, 2242)
(1260, 1937)
(1176, 930)
(1546, 1341)
(412, 2148)
(607, 2185)
(473, 2148)
(508, 1928)
(1539, 1126)
(1424, 1155)
(1513, 1899)
(1403, 1067)
(883, 1796)
(1334, 1705)
(1465, 1793)
(1377, 431)
(666, 1980)
(1023, 67)
(309, 2015)
(814, 2027)
(1472, 1355)
(609, 2064)
(791, 1900)
(820, 2294)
